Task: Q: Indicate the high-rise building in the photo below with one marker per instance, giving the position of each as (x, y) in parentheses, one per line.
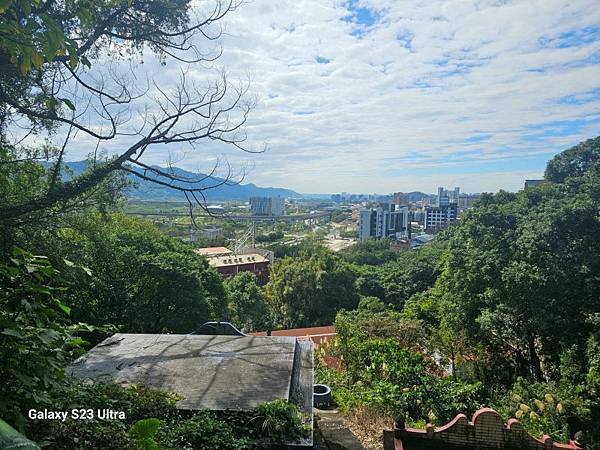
(267, 206)
(466, 201)
(387, 220)
(445, 197)
(440, 216)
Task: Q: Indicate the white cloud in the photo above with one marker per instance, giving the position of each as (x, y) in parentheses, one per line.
(412, 91)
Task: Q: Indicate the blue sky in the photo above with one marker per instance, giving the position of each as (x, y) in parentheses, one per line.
(389, 95)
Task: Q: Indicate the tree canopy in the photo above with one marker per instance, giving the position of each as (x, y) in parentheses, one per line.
(56, 82)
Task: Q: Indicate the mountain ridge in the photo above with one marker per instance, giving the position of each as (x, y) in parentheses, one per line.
(149, 191)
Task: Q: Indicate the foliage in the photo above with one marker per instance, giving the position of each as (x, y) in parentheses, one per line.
(141, 280)
(305, 249)
(152, 421)
(35, 338)
(395, 282)
(204, 432)
(270, 237)
(373, 252)
(516, 255)
(28, 179)
(136, 402)
(372, 319)
(384, 375)
(579, 161)
(36, 37)
(279, 421)
(545, 408)
(247, 305)
(308, 291)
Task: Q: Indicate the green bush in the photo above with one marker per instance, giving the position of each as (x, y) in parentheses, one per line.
(153, 422)
(36, 340)
(204, 432)
(546, 408)
(279, 421)
(381, 373)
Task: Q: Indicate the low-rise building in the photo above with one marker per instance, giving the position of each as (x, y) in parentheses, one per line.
(229, 264)
(214, 372)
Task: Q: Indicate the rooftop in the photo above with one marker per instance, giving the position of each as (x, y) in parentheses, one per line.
(315, 334)
(235, 260)
(214, 251)
(213, 372)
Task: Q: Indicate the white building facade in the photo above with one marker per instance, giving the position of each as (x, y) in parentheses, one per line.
(387, 220)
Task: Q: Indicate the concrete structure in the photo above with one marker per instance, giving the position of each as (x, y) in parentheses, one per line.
(211, 252)
(466, 201)
(439, 217)
(229, 263)
(217, 210)
(211, 233)
(445, 197)
(532, 183)
(267, 206)
(208, 372)
(318, 335)
(485, 431)
(421, 240)
(213, 372)
(387, 220)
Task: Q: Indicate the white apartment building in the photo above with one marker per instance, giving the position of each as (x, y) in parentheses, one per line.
(387, 220)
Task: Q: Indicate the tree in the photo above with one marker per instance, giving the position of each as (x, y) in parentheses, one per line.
(583, 159)
(246, 302)
(410, 273)
(370, 252)
(35, 338)
(140, 280)
(309, 291)
(521, 268)
(53, 82)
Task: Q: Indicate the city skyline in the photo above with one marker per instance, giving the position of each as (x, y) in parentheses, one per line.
(384, 96)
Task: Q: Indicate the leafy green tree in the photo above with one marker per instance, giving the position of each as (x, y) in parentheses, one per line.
(247, 305)
(395, 282)
(309, 291)
(583, 159)
(35, 337)
(370, 252)
(140, 280)
(374, 320)
(520, 271)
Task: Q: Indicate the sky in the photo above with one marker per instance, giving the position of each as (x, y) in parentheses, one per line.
(402, 95)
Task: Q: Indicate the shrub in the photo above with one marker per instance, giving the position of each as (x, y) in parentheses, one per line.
(204, 432)
(35, 338)
(545, 408)
(279, 421)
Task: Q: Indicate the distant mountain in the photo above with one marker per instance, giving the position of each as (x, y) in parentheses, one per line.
(149, 191)
(418, 196)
